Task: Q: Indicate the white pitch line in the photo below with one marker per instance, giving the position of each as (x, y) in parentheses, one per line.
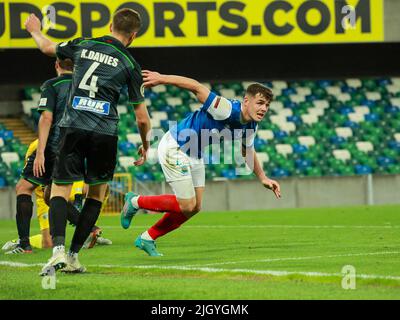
(277, 273)
(298, 258)
(268, 227)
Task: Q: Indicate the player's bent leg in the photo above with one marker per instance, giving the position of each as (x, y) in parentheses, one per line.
(24, 190)
(42, 211)
(129, 210)
(58, 223)
(89, 215)
(199, 199)
(58, 212)
(183, 203)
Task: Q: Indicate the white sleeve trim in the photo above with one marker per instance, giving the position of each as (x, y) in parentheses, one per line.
(220, 108)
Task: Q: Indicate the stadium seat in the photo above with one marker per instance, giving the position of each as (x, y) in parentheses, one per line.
(195, 106)
(354, 83)
(361, 110)
(342, 154)
(9, 157)
(362, 169)
(393, 89)
(126, 162)
(27, 106)
(155, 123)
(279, 84)
(365, 146)
(159, 115)
(344, 132)
(122, 109)
(309, 118)
(276, 106)
(303, 91)
(36, 97)
(306, 140)
(159, 89)
(3, 182)
(287, 127)
(265, 134)
(356, 117)
(285, 112)
(228, 93)
(316, 111)
(284, 149)
(323, 104)
(263, 157)
(297, 98)
(152, 155)
(134, 138)
(374, 96)
(174, 101)
(343, 97)
(395, 102)
(277, 119)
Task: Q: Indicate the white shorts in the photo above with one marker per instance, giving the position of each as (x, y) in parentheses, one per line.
(182, 172)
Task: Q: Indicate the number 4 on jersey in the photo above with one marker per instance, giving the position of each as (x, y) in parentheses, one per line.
(92, 88)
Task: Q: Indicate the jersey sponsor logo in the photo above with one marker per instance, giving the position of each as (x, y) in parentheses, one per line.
(87, 104)
(42, 102)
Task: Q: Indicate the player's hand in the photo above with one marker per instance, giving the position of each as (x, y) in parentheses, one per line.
(38, 165)
(142, 152)
(151, 78)
(272, 185)
(32, 23)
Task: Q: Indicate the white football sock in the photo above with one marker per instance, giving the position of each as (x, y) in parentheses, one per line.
(73, 255)
(58, 249)
(134, 202)
(145, 236)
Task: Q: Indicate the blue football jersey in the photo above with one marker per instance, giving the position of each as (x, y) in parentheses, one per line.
(218, 118)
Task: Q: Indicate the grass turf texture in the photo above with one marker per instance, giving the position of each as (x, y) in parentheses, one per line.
(229, 255)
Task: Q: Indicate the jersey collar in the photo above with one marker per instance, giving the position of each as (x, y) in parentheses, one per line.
(113, 40)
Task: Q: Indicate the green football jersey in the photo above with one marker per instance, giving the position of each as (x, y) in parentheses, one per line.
(102, 67)
(54, 97)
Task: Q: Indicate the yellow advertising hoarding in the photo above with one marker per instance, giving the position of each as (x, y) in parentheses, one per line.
(201, 22)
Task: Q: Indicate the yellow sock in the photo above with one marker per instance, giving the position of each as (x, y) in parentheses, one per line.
(36, 241)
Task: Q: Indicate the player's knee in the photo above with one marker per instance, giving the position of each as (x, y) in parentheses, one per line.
(197, 208)
(23, 187)
(188, 206)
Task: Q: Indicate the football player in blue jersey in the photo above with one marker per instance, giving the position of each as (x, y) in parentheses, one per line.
(180, 153)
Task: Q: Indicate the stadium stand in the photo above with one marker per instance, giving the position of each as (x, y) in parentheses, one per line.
(314, 128)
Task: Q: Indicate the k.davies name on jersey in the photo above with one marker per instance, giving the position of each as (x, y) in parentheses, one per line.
(99, 57)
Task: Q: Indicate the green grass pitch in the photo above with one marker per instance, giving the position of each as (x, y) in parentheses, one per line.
(277, 254)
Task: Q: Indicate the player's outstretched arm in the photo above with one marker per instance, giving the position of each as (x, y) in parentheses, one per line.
(144, 127)
(252, 161)
(33, 25)
(152, 79)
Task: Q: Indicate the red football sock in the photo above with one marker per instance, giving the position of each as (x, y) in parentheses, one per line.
(170, 221)
(161, 203)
